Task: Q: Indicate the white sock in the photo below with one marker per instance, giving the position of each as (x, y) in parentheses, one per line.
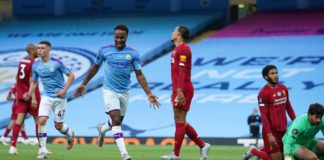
(42, 135)
(119, 139)
(106, 127)
(66, 131)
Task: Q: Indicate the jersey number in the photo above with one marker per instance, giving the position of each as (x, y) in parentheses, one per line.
(61, 113)
(22, 71)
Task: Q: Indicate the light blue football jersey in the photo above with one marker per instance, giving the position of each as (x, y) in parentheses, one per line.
(51, 75)
(118, 66)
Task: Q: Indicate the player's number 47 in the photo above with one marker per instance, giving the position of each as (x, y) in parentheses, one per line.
(61, 113)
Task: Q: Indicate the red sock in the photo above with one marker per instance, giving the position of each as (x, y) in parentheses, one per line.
(192, 134)
(178, 137)
(6, 132)
(261, 154)
(23, 133)
(15, 132)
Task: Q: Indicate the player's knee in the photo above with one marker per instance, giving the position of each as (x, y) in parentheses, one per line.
(116, 122)
(42, 121)
(58, 126)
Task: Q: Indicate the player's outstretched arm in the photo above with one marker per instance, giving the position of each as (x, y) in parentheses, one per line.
(81, 89)
(68, 84)
(31, 91)
(151, 97)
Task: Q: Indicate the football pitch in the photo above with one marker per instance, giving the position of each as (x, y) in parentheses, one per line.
(110, 152)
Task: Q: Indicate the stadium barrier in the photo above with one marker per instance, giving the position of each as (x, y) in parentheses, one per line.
(150, 141)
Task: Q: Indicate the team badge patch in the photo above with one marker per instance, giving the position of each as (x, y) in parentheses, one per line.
(183, 58)
(128, 56)
(260, 100)
(51, 69)
(261, 104)
(294, 131)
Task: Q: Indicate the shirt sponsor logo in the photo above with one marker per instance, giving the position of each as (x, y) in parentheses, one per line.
(280, 101)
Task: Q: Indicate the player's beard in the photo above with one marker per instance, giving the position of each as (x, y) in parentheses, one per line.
(273, 82)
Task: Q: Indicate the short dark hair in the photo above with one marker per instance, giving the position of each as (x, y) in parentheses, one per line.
(30, 47)
(121, 27)
(316, 109)
(46, 43)
(266, 69)
(184, 31)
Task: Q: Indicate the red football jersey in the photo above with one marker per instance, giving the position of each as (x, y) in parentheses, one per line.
(181, 69)
(23, 75)
(273, 104)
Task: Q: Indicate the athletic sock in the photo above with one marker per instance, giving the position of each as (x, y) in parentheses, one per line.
(119, 139)
(192, 134)
(15, 133)
(178, 137)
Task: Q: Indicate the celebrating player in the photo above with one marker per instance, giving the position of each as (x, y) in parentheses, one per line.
(50, 70)
(182, 93)
(118, 61)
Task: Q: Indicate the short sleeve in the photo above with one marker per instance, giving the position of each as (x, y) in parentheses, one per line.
(137, 62)
(99, 58)
(34, 73)
(64, 69)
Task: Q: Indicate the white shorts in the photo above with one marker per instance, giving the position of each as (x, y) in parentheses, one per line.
(48, 104)
(115, 101)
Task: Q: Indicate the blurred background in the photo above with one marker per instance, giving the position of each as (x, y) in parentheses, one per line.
(232, 40)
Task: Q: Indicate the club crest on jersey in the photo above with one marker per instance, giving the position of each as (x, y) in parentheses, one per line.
(128, 57)
(183, 58)
(51, 69)
(278, 94)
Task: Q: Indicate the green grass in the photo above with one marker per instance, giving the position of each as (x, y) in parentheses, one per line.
(110, 152)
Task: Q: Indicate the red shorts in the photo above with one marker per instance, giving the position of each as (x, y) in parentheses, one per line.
(278, 136)
(13, 111)
(25, 107)
(186, 107)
